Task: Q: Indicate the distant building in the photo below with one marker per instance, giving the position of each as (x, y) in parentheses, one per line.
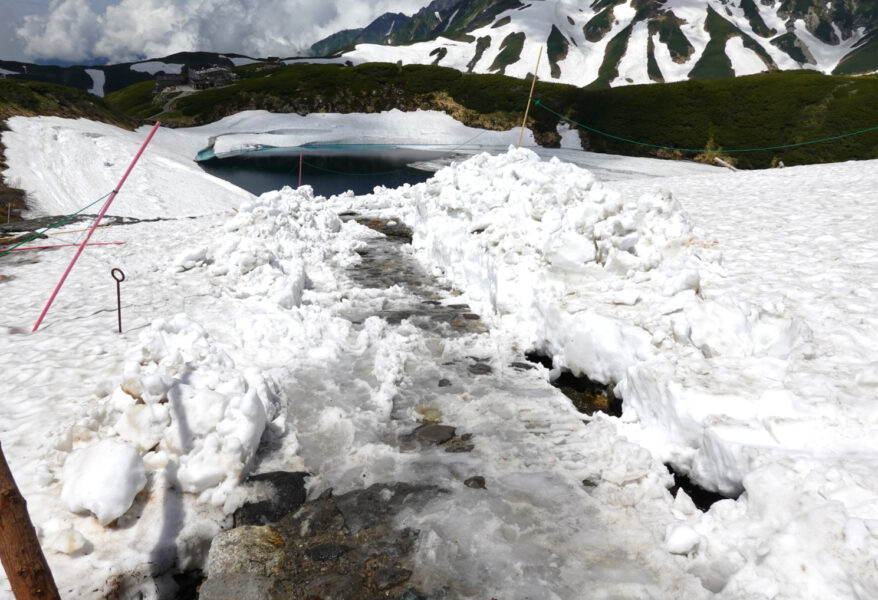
(211, 77)
(166, 80)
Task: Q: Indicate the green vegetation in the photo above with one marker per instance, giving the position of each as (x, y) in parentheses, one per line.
(510, 52)
(714, 64)
(769, 109)
(863, 59)
(599, 25)
(790, 44)
(502, 22)
(482, 44)
(30, 98)
(69, 76)
(670, 34)
(766, 110)
(652, 67)
(556, 47)
(439, 53)
(609, 69)
(756, 23)
(135, 100)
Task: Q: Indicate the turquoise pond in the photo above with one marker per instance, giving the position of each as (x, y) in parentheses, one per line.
(328, 169)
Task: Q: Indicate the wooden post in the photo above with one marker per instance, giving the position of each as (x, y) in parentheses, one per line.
(20, 552)
(529, 98)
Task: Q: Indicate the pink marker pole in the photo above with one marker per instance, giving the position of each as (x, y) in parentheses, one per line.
(95, 225)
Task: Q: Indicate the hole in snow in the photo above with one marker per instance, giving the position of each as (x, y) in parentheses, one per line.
(587, 396)
(702, 498)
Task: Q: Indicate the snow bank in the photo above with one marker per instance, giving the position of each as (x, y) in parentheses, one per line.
(103, 479)
(627, 291)
(54, 161)
(155, 66)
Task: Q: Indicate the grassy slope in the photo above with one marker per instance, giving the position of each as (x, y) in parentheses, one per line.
(31, 98)
(762, 110)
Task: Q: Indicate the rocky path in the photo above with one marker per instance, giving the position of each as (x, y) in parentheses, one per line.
(479, 481)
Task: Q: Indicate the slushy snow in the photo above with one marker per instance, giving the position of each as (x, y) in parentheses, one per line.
(731, 311)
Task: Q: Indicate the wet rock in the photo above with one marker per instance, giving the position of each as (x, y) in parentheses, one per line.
(471, 317)
(286, 494)
(325, 552)
(458, 306)
(254, 550)
(476, 482)
(235, 586)
(434, 433)
(374, 505)
(444, 383)
(521, 366)
(335, 586)
(388, 578)
(480, 369)
(459, 447)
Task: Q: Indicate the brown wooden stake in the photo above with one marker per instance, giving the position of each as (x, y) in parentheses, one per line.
(529, 98)
(20, 552)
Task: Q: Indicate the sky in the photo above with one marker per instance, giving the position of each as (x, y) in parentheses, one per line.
(125, 30)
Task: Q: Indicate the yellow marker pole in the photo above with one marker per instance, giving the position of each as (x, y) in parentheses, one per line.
(529, 98)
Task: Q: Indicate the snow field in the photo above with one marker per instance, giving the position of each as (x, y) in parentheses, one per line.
(731, 310)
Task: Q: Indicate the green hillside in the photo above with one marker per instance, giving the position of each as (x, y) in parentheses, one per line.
(32, 98)
(765, 110)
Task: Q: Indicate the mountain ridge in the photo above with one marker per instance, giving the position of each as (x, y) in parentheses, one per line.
(604, 43)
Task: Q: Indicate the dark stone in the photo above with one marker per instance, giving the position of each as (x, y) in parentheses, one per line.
(432, 302)
(458, 306)
(471, 317)
(412, 594)
(335, 586)
(466, 437)
(376, 504)
(521, 366)
(460, 448)
(480, 369)
(235, 586)
(476, 482)
(325, 552)
(388, 578)
(188, 583)
(444, 383)
(437, 434)
(289, 495)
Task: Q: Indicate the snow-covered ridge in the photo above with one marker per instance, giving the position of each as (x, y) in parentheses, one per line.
(785, 38)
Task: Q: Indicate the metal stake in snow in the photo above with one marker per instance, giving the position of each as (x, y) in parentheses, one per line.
(95, 225)
(529, 98)
(119, 276)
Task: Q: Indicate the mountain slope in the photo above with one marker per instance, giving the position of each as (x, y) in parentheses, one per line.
(102, 80)
(603, 43)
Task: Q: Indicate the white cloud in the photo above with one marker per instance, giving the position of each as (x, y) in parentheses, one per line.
(78, 30)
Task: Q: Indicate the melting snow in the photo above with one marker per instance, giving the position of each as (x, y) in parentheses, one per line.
(732, 312)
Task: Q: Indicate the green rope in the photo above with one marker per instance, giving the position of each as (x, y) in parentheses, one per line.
(54, 225)
(699, 150)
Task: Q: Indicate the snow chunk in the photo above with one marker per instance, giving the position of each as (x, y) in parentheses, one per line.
(682, 539)
(103, 479)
